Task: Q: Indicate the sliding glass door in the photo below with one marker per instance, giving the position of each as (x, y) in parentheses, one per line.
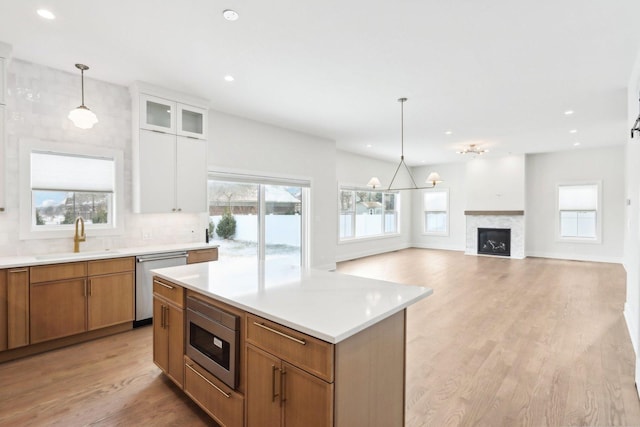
(259, 217)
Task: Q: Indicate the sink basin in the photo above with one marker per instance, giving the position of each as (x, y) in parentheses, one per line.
(70, 255)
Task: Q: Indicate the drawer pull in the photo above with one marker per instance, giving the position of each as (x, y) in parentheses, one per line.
(227, 395)
(282, 334)
(19, 270)
(163, 284)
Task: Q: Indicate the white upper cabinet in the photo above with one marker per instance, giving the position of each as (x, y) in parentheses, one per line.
(157, 114)
(169, 151)
(192, 121)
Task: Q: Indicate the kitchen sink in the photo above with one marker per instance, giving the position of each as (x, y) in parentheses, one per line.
(70, 255)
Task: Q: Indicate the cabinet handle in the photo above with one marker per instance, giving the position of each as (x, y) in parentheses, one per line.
(227, 395)
(179, 209)
(162, 316)
(273, 383)
(282, 334)
(84, 288)
(157, 282)
(19, 270)
(173, 210)
(90, 286)
(166, 316)
(283, 386)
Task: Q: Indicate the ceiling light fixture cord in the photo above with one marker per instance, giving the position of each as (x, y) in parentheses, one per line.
(402, 162)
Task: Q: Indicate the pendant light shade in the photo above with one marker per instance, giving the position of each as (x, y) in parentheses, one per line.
(433, 178)
(82, 117)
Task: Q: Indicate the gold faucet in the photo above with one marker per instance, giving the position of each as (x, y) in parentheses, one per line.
(77, 238)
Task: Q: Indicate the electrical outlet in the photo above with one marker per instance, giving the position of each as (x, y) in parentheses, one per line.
(147, 234)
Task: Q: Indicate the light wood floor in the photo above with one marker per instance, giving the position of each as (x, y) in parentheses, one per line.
(501, 342)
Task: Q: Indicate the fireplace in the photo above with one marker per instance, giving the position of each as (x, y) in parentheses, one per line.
(494, 241)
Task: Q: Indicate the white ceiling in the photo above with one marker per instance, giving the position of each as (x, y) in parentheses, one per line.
(498, 73)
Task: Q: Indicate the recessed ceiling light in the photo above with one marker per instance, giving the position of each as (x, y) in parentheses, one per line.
(230, 15)
(568, 112)
(448, 132)
(46, 14)
(424, 161)
(229, 78)
(573, 131)
(369, 145)
(575, 144)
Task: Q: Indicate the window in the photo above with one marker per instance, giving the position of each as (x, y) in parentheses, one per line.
(61, 182)
(255, 216)
(578, 212)
(64, 187)
(366, 213)
(436, 212)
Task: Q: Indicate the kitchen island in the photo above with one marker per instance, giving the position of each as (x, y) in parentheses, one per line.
(313, 347)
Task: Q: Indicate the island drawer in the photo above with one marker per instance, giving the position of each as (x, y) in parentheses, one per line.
(169, 291)
(219, 401)
(311, 354)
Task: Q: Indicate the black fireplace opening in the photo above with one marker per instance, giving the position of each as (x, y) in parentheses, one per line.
(494, 241)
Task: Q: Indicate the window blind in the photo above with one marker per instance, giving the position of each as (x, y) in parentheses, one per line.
(578, 197)
(68, 172)
(435, 201)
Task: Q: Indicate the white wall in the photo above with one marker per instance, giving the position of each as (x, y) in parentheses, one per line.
(496, 183)
(545, 172)
(632, 218)
(245, 146)
(454, 178)
(39, 100)
(355, 170)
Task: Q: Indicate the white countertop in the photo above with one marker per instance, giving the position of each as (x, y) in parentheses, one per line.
(326, 305)
(55, 258)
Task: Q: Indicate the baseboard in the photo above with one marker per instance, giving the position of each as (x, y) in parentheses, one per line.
(456, 248)
(576, 257)
(325, 267)
(628, 317)
(370, 252)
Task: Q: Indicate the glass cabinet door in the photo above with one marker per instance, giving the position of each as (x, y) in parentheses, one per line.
(192, 121)
(157, 114)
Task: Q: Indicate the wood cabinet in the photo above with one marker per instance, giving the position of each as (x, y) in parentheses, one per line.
(278, 392)
(202, 255)
(72, 298)
(169, 151)
(168, 329)
(111, 288)
(17, 307)
(219, 401)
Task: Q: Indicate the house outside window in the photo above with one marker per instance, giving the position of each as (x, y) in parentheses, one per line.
(579, 212)
(365, 213)
(436, 212)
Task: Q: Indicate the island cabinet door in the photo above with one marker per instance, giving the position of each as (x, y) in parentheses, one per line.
(307, 400)
(280, 394)
(168, 339)
(263, 389)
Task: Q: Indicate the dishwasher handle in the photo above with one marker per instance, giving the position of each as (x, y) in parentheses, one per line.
(160, 257)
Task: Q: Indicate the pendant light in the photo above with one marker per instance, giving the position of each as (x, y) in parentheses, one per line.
(82, 117)
(433, 178)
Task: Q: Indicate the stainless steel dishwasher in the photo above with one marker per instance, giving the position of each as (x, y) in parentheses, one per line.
(144, 281)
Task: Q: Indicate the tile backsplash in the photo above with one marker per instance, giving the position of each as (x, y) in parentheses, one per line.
(38, 102)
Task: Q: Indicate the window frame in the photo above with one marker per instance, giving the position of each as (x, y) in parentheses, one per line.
(425, 232)
(599, 214)
(28, 230)
(355, 189)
